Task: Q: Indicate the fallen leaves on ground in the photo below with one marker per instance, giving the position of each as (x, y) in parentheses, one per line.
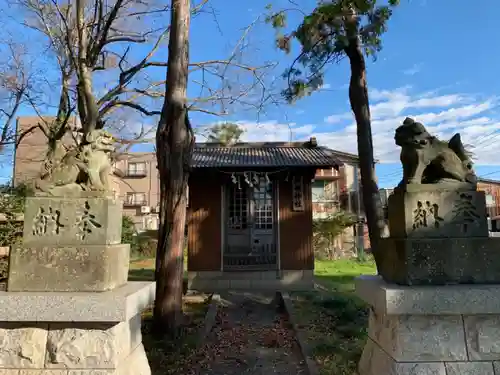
(335, 327)
(167, 357)
(233, 345)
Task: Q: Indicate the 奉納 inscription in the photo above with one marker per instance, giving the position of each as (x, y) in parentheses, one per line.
(87, 222)
(465, 213)
(47, 221)
(426, 215)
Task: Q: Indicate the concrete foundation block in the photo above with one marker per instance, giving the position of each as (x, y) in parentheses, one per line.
(63, 342)
(421, 330)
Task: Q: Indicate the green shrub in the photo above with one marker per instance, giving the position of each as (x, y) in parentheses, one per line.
(4, 266)
(128, 230)
(141, 244)
(145, 245)
(326, 230)
(11, 208)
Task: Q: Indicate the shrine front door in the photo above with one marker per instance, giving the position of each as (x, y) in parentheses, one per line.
(250, 242)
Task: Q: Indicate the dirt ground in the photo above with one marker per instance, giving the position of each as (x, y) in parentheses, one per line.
(250, 338)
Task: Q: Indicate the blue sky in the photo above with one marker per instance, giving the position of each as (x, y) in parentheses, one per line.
(438, 64)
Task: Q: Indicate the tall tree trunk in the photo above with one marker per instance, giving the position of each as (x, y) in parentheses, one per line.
(174, 143)
(358, 96)
(87, 106)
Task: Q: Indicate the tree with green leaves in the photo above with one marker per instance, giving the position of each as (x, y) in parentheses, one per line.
(11, 221)
(332, 31)
(226, 133)
(326, 230)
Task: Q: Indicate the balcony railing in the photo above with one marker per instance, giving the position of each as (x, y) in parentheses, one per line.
(332, 172)
(135, 202)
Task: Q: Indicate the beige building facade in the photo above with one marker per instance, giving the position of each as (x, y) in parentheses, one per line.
(139, 187)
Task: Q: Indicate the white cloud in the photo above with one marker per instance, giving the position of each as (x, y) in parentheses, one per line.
(267, 131)
(333, 119)
(414, 69)
(271, 131)
(443, 115)
(478, 121)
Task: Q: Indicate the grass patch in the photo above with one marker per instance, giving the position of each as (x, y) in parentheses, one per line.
(175, 357)
(142, 269)
(334, 320)
(338, 275)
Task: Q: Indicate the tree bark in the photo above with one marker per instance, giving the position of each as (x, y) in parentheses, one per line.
(87, 104)
(174, 144)
(358, 97)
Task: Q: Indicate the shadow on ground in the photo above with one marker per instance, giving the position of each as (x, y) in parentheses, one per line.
(141, 274)
(337, 283)
(335, 321)
(169, 356)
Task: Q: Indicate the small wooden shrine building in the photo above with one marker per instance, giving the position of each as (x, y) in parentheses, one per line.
(250, 215)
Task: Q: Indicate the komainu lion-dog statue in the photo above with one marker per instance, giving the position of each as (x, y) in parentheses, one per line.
(83, 168)
(427, 160)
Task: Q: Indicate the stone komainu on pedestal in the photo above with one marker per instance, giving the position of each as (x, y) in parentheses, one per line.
(69, 276)
(437, 220)
(419, 323)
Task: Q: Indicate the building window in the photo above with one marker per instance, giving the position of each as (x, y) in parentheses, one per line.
(318, 191)
(136, 169)
(490, 200)
(136, 199)
(324, 191)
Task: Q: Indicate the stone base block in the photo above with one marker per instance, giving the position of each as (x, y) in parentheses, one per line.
(284, 280)
(72, 221)
(67, 345)
(115, 306)
(86, 268)
(374, 361)
(437, 213)
(448, 330)
(442, 261)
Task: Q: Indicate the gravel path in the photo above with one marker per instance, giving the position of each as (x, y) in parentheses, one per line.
(251, 338)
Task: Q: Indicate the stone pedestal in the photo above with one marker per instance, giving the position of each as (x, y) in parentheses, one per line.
(438, 237)
(434, 212)
(53, 333)
(68, 308)
(70, 245)
(429, 330)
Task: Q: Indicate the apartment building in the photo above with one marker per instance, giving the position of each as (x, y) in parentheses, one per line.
(32, 151)
(491, 189)
(139, 187)
(334, 189)
(136, 179)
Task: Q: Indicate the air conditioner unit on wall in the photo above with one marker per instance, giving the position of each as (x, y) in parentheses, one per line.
(145, 210)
